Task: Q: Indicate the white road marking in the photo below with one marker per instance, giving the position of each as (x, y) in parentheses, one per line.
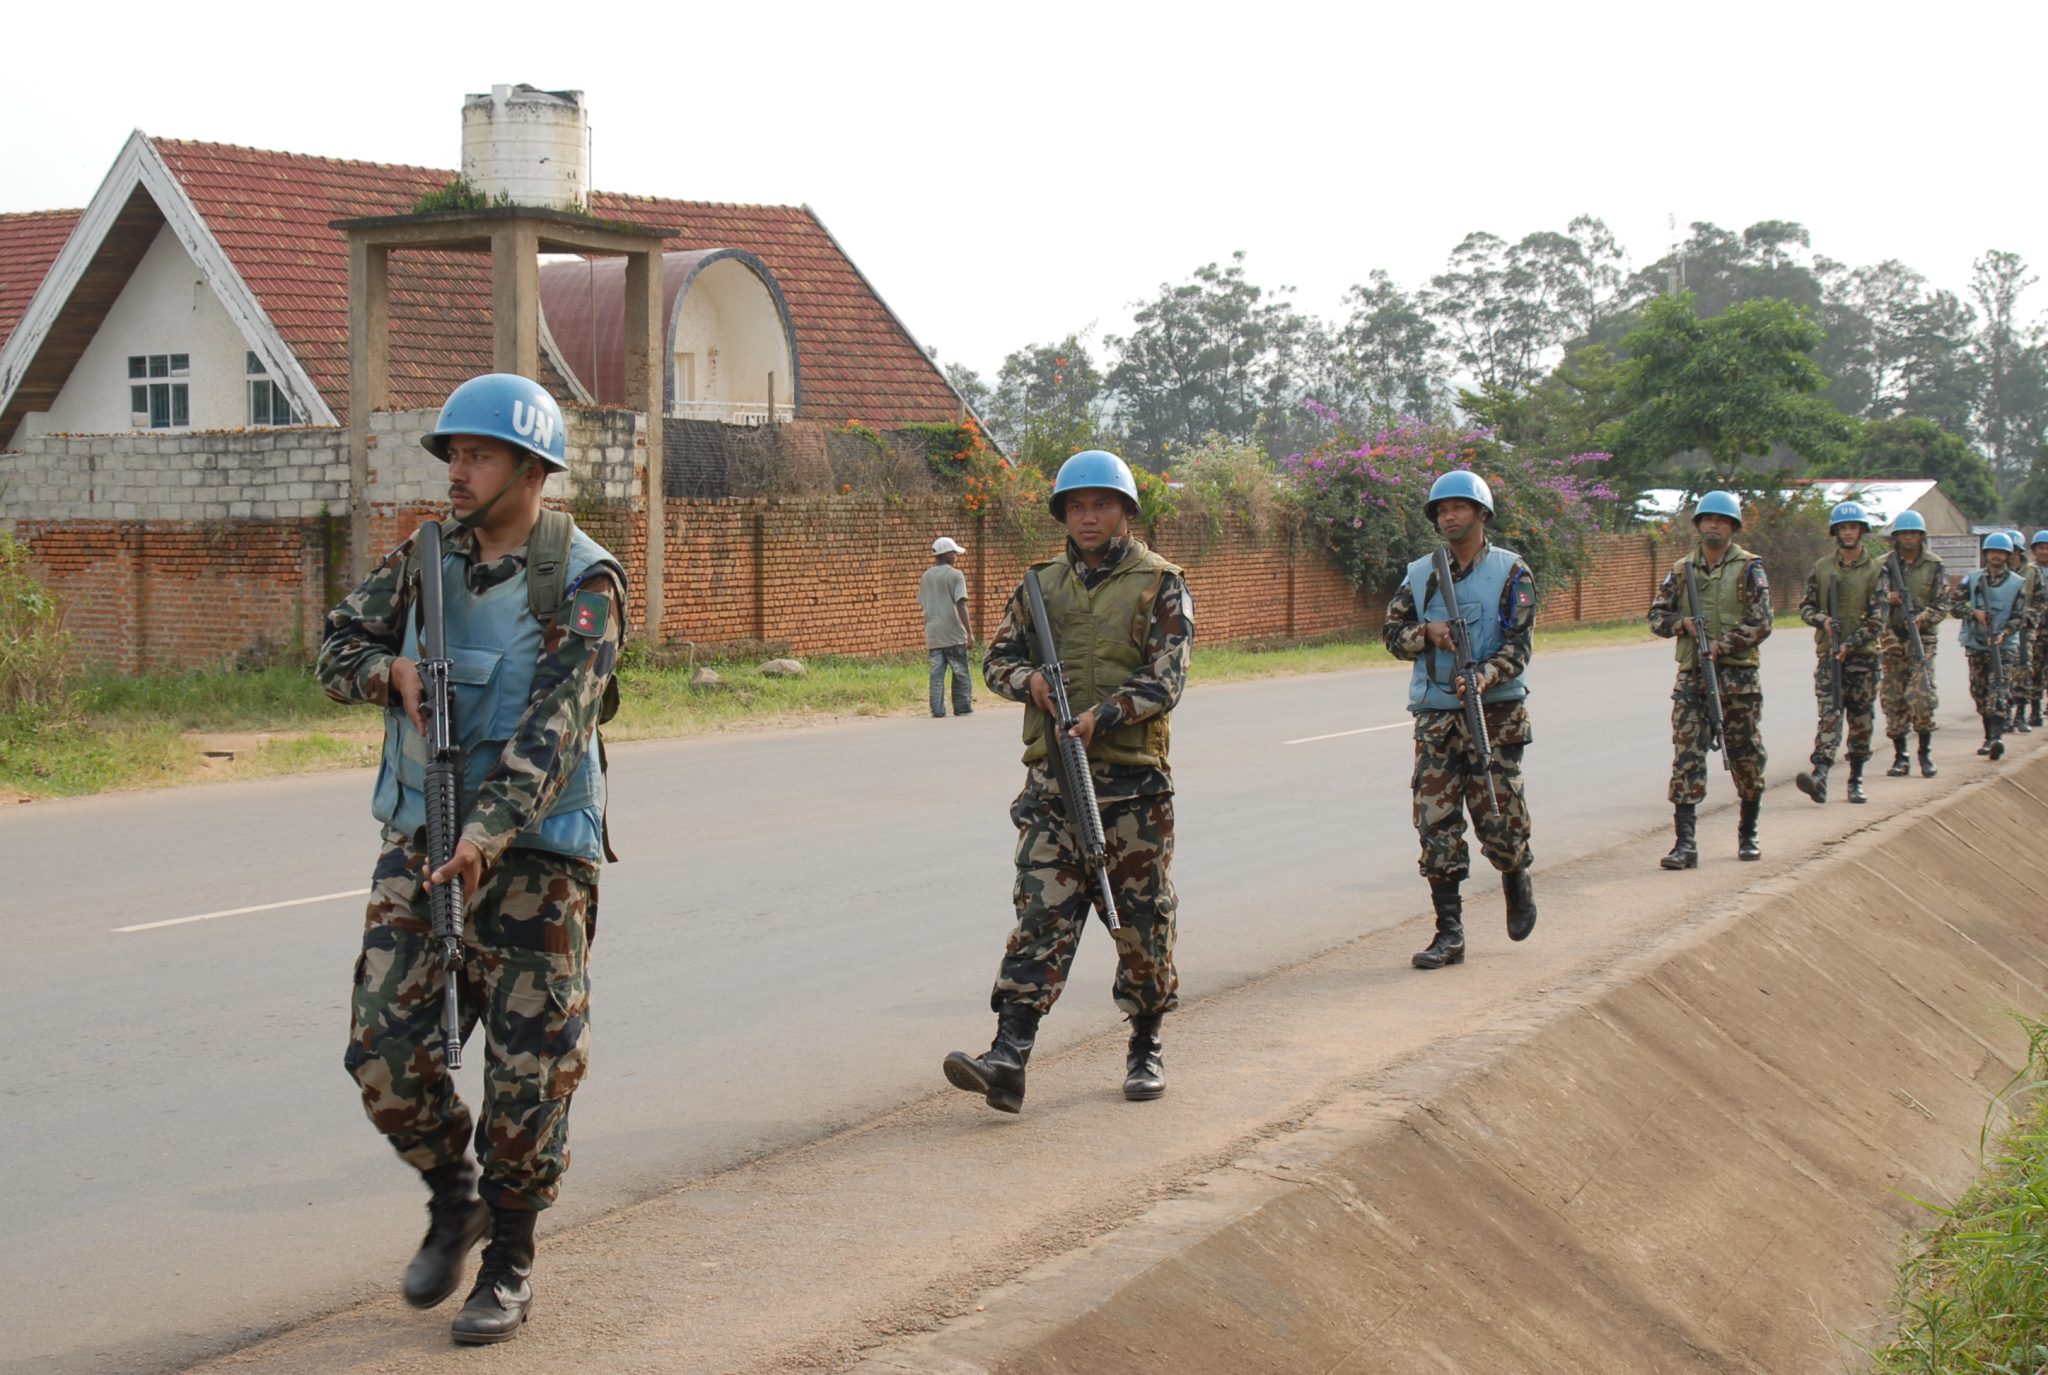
(1338, 735)
(242, 911)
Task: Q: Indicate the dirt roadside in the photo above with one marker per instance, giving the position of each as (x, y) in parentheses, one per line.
(1275, 1193)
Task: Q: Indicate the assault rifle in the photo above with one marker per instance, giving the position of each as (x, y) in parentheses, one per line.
(1980, 593)
(444, 784)
(1710, 672)
(1464, 666)
(1834, 702)
(1069, 759)
(1911, 614)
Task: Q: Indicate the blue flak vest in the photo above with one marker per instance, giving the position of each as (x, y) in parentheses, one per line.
(494, 644)
(1478, 595)
(2001, 600)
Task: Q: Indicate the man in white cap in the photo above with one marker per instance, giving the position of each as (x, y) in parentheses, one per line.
(942, 592)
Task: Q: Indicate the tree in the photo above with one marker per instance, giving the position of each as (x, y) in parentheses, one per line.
(1393, 352)
(972, 389)
(2029, 505)
(1572, 411)
(1207, 356)
(2014, 401)
(1910, 446)
(1048, 402)
(1731, 388)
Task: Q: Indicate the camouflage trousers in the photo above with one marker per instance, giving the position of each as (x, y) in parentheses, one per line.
(1054, 903)
(1447, 783)
(526, 940)
(1742, 719)
(1993, 700)
(1859, 707)
(1908, 696)
(2037, 671)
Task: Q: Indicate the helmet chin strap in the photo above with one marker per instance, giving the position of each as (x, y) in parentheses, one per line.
(476, 517)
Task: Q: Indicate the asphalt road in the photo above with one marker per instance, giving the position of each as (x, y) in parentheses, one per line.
(805, 922)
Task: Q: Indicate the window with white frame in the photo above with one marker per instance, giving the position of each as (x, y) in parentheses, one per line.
(268, 404)
(159, 396)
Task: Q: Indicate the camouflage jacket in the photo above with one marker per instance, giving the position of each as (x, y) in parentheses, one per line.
(1155, 688)
(1813, 607)
(1405, 639)
(1668, 613)
(365, 633)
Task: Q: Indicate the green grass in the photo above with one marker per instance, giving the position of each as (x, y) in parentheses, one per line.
(277, 698)
(1974, 1294)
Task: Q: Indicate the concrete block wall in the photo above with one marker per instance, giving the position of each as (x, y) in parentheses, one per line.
(285, 474)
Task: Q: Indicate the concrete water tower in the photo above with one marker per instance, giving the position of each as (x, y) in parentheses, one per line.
(531, 146)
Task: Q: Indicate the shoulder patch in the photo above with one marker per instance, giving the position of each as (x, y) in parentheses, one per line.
(1756, 573)
(589, 613)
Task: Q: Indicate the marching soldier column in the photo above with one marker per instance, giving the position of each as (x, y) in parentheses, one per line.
(1845, 597)
(1919, 599)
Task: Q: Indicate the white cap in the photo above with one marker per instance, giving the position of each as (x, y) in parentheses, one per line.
(946, 545)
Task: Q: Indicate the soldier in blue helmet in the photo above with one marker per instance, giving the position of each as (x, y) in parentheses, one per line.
(1735, 607)
(533, 611)
(1990, 607)
(1907, 688)
(1495, 595)
(1846, 594)
(2037, 665)
(2034, 608)
(1125, 626)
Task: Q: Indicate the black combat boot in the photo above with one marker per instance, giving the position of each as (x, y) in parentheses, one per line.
(1521, 896)
(1996, 748)
(1856, 781)
(503, 1297)
(1449, 945)
(999, 1075)
(1144, 1070)
(1927, 769)
(2016, 724)
(2034, 710)
(456, 1220)
(1813, 784)
(1985, 748)
(1745, 829)
(1686, 853)
(1901, 766)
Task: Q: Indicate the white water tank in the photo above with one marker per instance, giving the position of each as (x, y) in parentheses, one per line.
(533, 146)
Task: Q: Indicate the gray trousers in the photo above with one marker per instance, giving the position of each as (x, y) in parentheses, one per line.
(953, 657)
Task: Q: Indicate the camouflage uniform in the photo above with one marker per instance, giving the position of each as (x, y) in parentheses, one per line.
(526, 933)
(1993, 700)
(1859, 666)
(2037, 648)
(1908, 695)
(1447, 781)
(1742, 693)
(1050, 894)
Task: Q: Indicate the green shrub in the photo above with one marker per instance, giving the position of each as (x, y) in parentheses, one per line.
(36, 660)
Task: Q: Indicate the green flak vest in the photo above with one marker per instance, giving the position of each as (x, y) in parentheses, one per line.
(1723, 604)
(1102, 633)
(1855, 585)
(1922, 580)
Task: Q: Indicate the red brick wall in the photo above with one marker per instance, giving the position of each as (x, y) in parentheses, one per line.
(140, 596)
(824, 575)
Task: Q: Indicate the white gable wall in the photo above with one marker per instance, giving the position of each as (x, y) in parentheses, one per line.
(731, 334)
(167, 307)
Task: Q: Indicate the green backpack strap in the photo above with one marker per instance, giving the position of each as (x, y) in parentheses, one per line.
(547, 564)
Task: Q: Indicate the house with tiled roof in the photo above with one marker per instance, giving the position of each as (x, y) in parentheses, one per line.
(205, 289)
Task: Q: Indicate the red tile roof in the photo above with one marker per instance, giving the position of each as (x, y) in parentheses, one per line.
(270, 212)
(28, 245)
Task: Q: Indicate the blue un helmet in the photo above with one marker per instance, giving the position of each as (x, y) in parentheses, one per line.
(2019, 541)
(1719, 504)
(505, 406)
(2040, 537)
(1849, 513)
(2000, 541)
(1909, 520)
(1092, 468)
(1464, 485)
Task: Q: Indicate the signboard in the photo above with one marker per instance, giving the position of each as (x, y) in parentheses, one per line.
(1959, 552)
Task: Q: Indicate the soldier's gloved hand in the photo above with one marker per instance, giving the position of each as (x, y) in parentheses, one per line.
(406, 685)
(467, 864)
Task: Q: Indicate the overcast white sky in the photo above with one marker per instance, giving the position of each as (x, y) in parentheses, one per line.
(1005, 173)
